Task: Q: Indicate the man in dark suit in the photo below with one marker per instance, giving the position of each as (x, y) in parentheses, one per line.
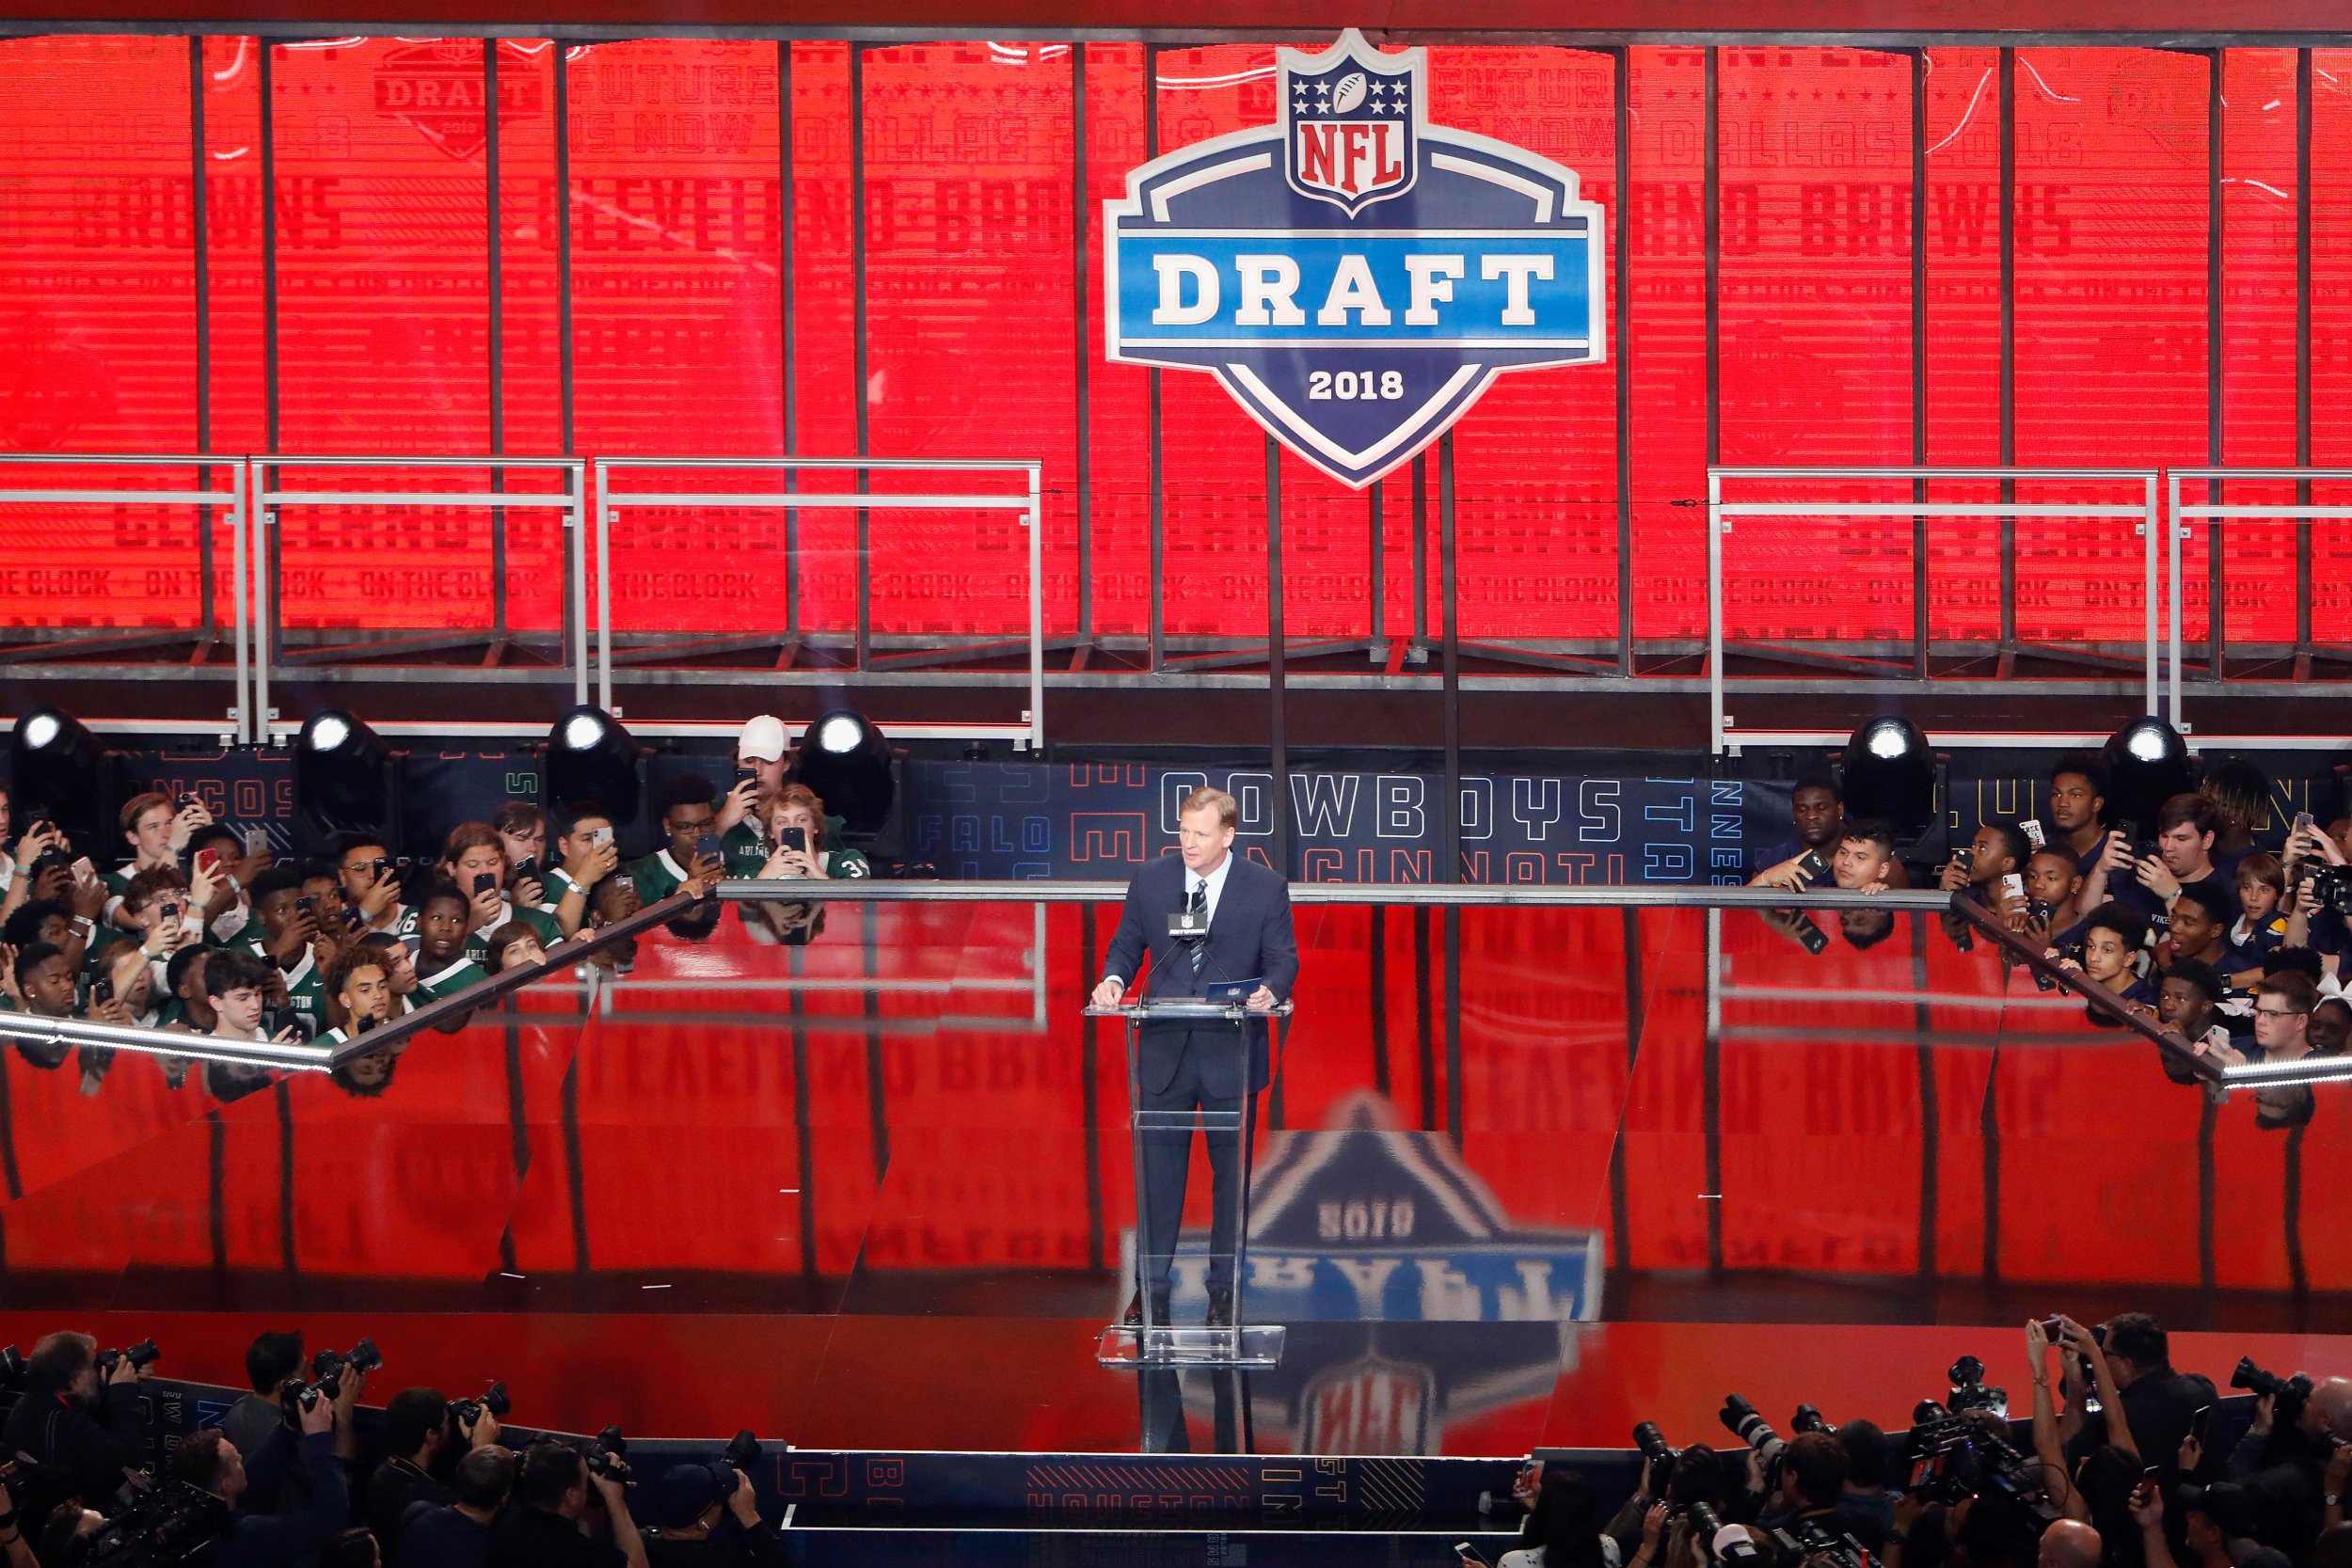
(1184, 1068)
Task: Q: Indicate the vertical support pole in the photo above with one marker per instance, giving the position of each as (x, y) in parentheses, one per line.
(577, 477)
(1711, 201)
(1421, 552)
(267, 76)
(1621, 72)
(1082, 339)
(1157, 643)
(2216, 633)
(496, 324)
(865, 639)
(1920, 626)
(1037, 633)
(1451, 666)
(1276, 669)
(2173, 533)
(1377, 570)
(787, 320)
(563, 347)
(587, 509)
(207, 612)
(1719, 723)
(2009, 347)
(2303, 525)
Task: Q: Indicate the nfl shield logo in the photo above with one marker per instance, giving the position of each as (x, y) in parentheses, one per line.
(1354, 275)
(1349, 121)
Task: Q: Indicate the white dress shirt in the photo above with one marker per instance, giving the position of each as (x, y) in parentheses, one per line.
(1215, 881)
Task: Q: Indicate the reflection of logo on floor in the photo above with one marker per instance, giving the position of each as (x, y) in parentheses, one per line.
(1365, 1222)
(1372, 1406)
(439, 88)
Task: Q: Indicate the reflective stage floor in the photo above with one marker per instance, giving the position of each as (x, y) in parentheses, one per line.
(1526, 1176)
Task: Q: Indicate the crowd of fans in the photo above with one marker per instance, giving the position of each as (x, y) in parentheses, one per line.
(286, 1479)
(2233, 950)
(2125, 1466)
(203, 930)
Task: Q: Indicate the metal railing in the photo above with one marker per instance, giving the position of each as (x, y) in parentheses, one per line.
(2213, 512)
(1029, 734)
(2144, 514)
(43, 641)
(270, 498)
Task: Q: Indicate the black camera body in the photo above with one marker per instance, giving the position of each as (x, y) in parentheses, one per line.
(1809, 1418)
(165, 1524)
(327, 1367)
(141, 1356)
(465, 1413)
(1802, 1540)
(2287, 1394)
(608, 1457)
(2331, 888)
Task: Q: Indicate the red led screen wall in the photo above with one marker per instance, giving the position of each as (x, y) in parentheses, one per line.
(737, 247)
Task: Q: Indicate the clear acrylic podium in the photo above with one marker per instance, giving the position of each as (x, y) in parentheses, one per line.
(1159, 1344)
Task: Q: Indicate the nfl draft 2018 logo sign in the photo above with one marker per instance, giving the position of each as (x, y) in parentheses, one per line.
(1353, 275)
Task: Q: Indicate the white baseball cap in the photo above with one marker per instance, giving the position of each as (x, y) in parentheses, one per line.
(762, 740)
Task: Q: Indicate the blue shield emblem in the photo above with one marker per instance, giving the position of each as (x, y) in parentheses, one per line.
(1353, 275)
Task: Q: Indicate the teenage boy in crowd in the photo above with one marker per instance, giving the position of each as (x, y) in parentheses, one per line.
(2078, 804)
(1998, 849)
(2185, 825)
(443, 925)
(362, 992)
(2112, 938)
(686, 817)
(372, 885)
(294, 940)
(157, 829)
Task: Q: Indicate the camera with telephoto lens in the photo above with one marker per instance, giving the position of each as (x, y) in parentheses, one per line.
(608, 1457)
(1809, 1418)
(141, 1356)
(1751, 1429)
(2287, 1394)
(164, 1524)
(13, 1368)
(327, 1367)
(465, 1414)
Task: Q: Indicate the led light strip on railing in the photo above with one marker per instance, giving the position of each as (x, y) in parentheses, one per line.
(859, 890)
(294, 1056)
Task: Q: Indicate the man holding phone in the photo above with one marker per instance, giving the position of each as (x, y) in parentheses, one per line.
(590, 855)
(289, 940)
(690, 858)
(2148, 882)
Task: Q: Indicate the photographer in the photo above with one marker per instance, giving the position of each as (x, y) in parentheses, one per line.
(458, 1534)
(1563, 1528)
(1813, 1472)
(2284, 1458)
(545, 1527)
(79, 1417)
(417, 1428)
(209, 1461)
(271, 1362)
(691, 1500)
(2157, 1404)
(15, 1550)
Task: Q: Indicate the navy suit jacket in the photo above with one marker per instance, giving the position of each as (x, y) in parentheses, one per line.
(1249, 937)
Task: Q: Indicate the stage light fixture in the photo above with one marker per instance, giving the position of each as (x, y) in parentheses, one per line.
(852, 766)
(345, 778)
(62, 771)
(2147, 764)
(591, 758)
(1890, 775)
